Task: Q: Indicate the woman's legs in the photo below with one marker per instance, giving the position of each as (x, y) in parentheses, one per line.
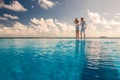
(77, 34)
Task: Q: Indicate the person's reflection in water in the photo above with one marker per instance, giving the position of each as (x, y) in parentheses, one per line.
(77, 47)
(80, 56)
(82, 52)
(82, 48)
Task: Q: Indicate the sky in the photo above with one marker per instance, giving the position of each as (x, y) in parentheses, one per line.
(54, 18)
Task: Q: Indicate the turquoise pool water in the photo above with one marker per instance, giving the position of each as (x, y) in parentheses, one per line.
(59, 59)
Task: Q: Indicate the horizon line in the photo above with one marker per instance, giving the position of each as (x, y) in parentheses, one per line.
(58, 38)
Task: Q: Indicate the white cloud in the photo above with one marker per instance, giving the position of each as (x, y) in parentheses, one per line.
(117, 17)
(10, 16)
(106, 13)
(32, 6)
(96, 26)
(118, 14)
(46, 3)
(35, 21)
(3, 18)
(99, 26)
(39, 28)
(14, 6)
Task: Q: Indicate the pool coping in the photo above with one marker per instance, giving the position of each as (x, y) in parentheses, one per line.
(58, 38)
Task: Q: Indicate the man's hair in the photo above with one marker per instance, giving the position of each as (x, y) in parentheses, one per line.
(82, 18)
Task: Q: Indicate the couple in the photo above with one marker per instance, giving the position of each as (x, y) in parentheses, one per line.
(80, 26)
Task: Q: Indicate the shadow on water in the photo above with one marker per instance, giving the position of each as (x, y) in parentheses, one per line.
(97, 64)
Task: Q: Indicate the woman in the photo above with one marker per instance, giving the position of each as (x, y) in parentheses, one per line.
(76, 21)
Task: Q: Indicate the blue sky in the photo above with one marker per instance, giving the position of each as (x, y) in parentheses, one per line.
(30, 12)
(64, 10)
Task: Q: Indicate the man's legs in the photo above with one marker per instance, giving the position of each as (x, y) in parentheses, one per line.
(83, 34)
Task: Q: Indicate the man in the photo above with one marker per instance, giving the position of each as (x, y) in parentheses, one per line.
(83, 27)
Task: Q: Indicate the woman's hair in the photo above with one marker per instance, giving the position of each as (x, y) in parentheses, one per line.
(76, 21)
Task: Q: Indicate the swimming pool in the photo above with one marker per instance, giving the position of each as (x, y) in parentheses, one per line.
(59, 59)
